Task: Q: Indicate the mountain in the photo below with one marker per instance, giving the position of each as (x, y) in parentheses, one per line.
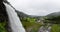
(55, 14)
(21, 14)
(53, 18)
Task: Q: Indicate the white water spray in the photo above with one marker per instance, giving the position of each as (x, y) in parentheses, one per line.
(15, 23)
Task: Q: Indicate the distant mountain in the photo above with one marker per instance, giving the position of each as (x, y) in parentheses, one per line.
(54, 18)
(21, 14)
(55, 14)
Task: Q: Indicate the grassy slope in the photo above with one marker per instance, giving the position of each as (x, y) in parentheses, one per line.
(30, 24)
(55, 28)
(2, 27)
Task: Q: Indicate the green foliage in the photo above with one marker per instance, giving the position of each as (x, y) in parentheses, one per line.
(54, 20)
(30, 23)
(55, 28)
(28, 19)
(55, 23)
(2, 24)
(2, 27)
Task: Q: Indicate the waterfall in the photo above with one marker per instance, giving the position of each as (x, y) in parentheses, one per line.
(15, 22)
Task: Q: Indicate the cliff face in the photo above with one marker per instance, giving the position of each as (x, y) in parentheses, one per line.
(4, 27)
(3, 14)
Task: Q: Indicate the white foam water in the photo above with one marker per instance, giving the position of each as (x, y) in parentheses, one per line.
(15, 22)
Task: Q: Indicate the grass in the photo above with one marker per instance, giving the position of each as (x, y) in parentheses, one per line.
(55, 28)
(34, 26)
(2, 27)
(30, 24)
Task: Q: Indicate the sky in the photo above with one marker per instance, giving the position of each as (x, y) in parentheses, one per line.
(36, 7)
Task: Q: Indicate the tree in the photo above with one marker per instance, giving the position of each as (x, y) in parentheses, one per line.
(55, 20)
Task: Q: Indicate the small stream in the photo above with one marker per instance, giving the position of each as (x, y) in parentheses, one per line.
(45, 28)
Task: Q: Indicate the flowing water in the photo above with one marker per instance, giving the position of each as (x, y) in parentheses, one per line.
(15, 22)
(44, 29)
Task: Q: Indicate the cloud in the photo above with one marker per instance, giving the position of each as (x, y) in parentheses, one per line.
(36, 7)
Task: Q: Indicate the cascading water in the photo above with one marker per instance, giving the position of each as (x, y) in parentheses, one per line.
(15, 22)
(45, 28)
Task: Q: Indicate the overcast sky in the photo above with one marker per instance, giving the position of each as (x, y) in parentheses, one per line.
(36, 7)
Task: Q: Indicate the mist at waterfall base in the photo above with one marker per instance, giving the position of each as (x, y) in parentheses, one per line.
(15, 23)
